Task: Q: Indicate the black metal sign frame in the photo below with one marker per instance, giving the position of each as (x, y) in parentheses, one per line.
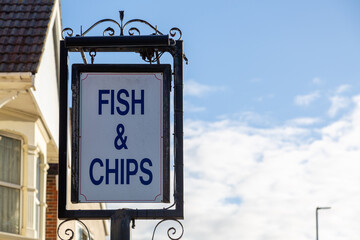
(76, 86)
(120, 219)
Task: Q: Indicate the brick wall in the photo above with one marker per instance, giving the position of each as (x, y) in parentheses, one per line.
(51, 211)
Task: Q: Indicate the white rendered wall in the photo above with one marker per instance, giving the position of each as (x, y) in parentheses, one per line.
(46, 91)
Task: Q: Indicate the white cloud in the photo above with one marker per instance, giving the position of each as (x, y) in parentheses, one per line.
(305, 100)
(338, 103)
(304, 121)
(275, 196)
(343, 88)
(317, 81)
(192, 108)
(193, 88)
(249, 183)
(253, 118)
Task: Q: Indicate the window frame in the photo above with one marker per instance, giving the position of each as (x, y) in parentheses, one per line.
(20, 187)
(38, 194)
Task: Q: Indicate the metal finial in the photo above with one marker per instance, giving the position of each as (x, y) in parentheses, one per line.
(121, 15)
(121, 23)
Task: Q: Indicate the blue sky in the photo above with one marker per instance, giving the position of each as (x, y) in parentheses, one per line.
(271, 111)
(255, 56)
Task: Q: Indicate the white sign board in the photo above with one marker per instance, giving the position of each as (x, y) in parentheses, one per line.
(121, 136)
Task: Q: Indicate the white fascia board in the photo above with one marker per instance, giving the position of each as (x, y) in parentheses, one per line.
(16, 80)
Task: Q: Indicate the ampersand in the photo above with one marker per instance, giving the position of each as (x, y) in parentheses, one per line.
(120, 130)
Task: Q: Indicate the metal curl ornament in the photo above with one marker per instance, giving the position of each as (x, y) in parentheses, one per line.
(67, 30)
(102, 21)
(171, 230)
(174, 31)
(110, 31)
(69, 232)
(156, 32)
(131, 31)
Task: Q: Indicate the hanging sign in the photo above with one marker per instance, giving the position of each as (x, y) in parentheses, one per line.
(121, 140)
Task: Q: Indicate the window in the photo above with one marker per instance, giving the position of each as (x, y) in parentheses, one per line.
(10, 184)
(82, 234)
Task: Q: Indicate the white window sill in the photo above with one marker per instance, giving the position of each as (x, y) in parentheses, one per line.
(10, 236)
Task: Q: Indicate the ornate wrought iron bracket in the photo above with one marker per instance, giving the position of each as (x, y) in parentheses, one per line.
(148, 55)
(171, 231)
(124, 38)
(68, 231)
(122, 27)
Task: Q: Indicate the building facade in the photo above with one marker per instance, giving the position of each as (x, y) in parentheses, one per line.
(30, 31)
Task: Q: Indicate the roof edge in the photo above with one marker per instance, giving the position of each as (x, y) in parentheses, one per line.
(16, 80)
(17, 75)
(52, 19)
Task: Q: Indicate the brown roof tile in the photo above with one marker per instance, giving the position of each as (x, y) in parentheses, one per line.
(23, 26)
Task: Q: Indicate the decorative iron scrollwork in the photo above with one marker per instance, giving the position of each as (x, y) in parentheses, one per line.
(68, 31)
(173, 33)
(131, 31)
(148, 55)
(122, 26)
(171, 231)
(109, 29)
(69, 232)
